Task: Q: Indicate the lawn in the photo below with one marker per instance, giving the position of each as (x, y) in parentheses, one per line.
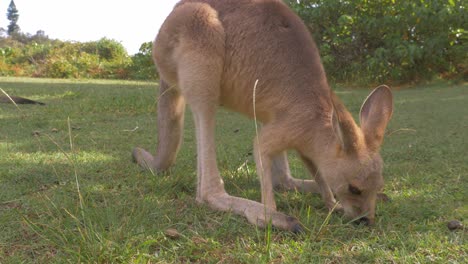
(69, 192)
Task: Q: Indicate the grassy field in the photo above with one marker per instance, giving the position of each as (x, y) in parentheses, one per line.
(69, 192)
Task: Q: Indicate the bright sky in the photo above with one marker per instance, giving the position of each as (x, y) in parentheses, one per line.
(130, 22)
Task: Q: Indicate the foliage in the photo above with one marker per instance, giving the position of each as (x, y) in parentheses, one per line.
(38, 56)
(389, 40)
(142, 66)
(106, 49)
(70, 194)
(13, 16)
(23, 54)
(361, 41)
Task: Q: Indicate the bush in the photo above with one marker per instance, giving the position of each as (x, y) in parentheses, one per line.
(35, 56)
(60, 67)
(39, 56)
(388, 40)
(142, 66)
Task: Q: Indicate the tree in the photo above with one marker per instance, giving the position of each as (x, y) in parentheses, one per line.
(388, 40)
(142, 67)
(12, 15)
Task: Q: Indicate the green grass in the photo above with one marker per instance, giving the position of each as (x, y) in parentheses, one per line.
(71, 193)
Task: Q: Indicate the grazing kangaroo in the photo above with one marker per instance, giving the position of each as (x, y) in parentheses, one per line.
(230, 52)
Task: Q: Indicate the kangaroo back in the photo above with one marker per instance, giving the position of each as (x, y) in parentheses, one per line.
(256, 40)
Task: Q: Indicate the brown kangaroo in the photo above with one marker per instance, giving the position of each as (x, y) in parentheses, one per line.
(230, 52)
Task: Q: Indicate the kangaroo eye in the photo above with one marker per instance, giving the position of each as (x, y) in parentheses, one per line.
(352, 189)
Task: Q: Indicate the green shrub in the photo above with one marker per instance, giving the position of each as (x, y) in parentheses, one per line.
(38, 56)
(35, 56)
(142, 66)
(388, 40)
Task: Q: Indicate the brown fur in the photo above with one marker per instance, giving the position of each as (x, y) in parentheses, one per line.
(211, 53)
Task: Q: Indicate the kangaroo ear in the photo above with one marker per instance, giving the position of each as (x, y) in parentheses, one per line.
(375, 113)
(337, 128)
(344, 127)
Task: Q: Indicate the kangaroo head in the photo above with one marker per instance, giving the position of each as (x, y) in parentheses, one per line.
(356, 176)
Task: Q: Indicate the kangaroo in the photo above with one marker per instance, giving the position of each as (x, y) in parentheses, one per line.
(257, 57)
